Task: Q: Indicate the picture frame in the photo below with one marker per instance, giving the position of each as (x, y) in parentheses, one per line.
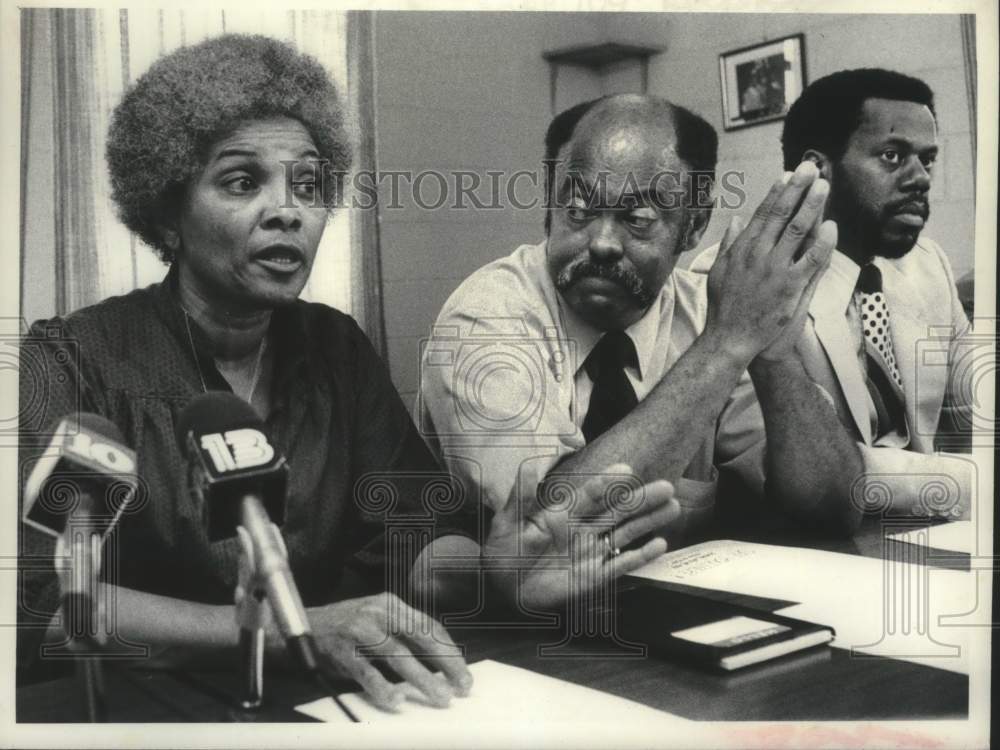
(761, 81)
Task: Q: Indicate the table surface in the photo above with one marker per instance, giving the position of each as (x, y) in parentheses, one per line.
(818, 684)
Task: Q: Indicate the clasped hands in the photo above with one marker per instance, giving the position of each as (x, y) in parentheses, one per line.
(764, 278)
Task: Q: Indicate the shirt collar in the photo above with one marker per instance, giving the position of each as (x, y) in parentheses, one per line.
(644, 332)
(836, 289)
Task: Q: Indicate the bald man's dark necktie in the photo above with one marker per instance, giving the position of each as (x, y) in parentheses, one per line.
(612, 396)
(884, 383)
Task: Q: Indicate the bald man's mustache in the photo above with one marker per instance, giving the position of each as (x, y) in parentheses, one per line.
(626, 278)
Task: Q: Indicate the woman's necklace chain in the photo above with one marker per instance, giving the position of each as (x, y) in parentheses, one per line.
(255, 376)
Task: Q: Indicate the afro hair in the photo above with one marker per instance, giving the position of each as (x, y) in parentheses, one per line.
(830, 109)
(166, 123)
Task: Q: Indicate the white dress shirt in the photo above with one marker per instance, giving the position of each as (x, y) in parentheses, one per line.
(504, 392)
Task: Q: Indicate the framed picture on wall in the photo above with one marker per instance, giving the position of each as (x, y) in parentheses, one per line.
(760, 82)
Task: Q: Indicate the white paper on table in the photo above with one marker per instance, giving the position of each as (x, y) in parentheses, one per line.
(880, 607)
(957, 536)
(499, 693)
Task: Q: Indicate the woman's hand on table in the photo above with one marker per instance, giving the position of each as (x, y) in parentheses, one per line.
(355, 633)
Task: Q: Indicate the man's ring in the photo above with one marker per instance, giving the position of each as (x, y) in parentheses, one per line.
(611, 551)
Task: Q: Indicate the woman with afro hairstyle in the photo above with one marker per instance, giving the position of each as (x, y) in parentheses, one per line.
(224, 158)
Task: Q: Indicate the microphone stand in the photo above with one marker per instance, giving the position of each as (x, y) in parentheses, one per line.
(252, 612)
(90, 675)
(82, 616)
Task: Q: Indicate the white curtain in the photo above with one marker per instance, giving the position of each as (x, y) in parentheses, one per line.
(75, 65)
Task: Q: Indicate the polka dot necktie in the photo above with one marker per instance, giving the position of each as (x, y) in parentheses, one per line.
(613, 396)
(883, 380)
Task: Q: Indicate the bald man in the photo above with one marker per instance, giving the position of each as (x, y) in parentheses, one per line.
(592, 348)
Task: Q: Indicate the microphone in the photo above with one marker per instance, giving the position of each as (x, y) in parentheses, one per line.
(241, 481)
(76, 492)
(85, 468)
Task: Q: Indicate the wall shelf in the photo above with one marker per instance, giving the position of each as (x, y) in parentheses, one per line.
(600, 60)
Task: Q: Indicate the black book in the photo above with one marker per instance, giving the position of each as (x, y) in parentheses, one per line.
(710, 632)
